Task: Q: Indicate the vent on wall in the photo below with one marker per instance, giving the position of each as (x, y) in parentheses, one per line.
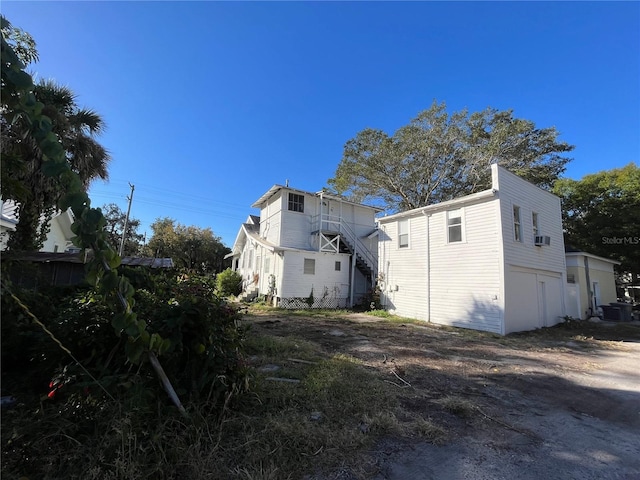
(541, 240)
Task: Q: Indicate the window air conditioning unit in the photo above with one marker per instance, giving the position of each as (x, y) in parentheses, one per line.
(541, 240)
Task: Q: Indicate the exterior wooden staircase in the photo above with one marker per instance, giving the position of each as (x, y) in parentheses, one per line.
(336, 236)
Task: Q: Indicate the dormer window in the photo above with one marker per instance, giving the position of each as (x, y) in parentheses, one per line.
(296, 202)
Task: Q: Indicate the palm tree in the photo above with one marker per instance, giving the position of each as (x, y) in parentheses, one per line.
(76, 129)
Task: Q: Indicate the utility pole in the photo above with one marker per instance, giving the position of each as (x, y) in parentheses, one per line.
(126, 221)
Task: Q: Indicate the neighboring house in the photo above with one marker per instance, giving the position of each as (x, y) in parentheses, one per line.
(59, 236)
(591, 283)
(307, 249)
(492, 261)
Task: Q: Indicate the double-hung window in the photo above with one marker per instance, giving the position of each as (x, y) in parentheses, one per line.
(454, 226)
(517, 224)
(403, 233)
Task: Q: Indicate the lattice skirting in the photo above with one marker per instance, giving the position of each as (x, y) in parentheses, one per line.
(302, 303)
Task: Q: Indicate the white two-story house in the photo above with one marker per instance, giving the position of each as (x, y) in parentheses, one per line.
(492, 261)
(308, 249)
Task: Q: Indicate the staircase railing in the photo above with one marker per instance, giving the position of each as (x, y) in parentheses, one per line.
(333, 223)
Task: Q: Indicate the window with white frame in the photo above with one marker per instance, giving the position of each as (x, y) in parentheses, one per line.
(309, 266)
(517, 224)
(267, 265)
(296, 202)
(403, 233)
(338, 266)
(454, 226)
(534, 222)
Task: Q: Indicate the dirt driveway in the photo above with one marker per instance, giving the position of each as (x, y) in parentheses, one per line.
(554, 404)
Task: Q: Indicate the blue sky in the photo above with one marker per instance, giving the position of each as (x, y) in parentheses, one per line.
(208, 104)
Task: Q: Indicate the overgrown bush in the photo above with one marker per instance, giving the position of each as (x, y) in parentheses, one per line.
(85, 402)
(229, 283)
(205, 357)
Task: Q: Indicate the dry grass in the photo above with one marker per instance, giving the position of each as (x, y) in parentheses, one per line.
(457, 405)
(342, 403)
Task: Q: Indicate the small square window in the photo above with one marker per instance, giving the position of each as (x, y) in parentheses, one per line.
(338, 266)
(296, 202)
(309, 266)
(403, 233)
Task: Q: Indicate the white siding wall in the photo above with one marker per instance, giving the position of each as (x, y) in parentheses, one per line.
(278, 271)
(515, 191)
(461, 285)
(270, 219)
(59, 236)
(295, 283)
(56, 240)
(404, 270)
(534, 299)
(360, 219)
(466, 276)
(246, 265)
(601, 272)
(266, 259)
(296, 226)
(524, 305)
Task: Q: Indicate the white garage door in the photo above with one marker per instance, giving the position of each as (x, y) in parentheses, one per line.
(533, 300)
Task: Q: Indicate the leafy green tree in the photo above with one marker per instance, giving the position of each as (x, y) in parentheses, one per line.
(115, 218)
(194, 248)
(19, 104)
(440, 156)
(22, 158)
(601, 214)
(36, 193)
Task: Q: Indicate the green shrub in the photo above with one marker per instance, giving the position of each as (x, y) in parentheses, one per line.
(229, 283)
(205, 358)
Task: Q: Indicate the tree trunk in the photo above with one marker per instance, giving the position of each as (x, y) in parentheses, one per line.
(25, 237)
